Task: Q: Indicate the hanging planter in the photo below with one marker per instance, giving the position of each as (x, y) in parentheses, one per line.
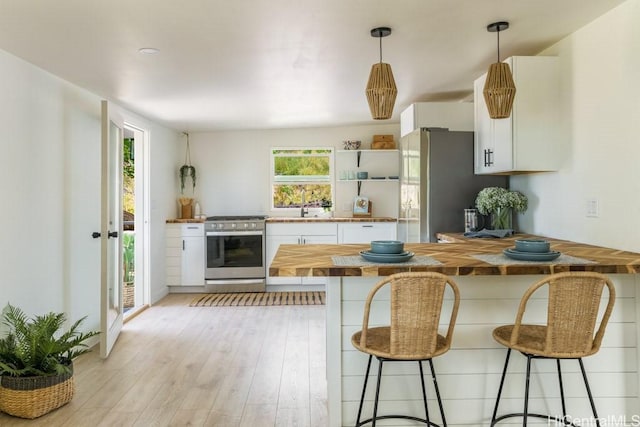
(187, 171)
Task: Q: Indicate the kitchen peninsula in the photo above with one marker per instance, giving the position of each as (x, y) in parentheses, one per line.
(491, 288)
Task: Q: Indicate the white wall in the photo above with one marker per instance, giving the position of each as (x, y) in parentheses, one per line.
(600, 66)
(233, 168)
(50, 184)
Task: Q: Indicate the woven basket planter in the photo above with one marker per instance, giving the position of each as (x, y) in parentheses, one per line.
(32, 397)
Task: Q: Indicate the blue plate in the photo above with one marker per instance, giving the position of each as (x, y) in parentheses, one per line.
(386, 258)
(531, 256)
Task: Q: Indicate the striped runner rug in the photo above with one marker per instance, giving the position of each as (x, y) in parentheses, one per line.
(247, 299)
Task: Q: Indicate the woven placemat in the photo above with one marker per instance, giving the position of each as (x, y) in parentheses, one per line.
(252, 299)
(502, 259)
(358, 261)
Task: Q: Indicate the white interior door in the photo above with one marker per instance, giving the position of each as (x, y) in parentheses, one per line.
(111, 313)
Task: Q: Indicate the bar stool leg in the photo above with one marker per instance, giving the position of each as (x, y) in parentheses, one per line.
(435, 385)
(424, 393)
(364, 389)
(586, 384)
(526, 392)
(504, 372)
(375, 403)
(564, 406)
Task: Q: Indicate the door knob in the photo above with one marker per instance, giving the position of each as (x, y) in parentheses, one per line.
(95, 234)
(113, 234)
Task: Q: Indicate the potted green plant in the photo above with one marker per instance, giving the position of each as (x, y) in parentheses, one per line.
(187, 170)
(499, 203)
(36, 362)
(128, 264)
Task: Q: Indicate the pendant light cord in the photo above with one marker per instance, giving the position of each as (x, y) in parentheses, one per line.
(498, 44)
(380, 37)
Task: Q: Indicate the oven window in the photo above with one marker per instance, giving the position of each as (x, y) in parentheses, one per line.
(234, 251)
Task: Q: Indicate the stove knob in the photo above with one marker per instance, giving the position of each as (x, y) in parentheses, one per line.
(246, 225)
(233, 225)
(253, 225)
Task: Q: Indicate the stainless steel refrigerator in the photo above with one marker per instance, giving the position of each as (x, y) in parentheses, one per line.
(437, 183)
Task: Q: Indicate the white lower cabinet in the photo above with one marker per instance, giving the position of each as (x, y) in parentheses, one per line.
(365, 232)
(185, 255)
(297, 234)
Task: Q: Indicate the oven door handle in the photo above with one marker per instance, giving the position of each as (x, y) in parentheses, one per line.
(234, 233)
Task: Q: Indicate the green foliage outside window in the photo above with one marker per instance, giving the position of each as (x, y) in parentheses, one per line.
(128, 175)
(296, 170)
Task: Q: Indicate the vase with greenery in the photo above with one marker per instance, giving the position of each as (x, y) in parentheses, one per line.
(36, 361)
(499, 203)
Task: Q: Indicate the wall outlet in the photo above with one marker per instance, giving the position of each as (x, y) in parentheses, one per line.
(593, 208)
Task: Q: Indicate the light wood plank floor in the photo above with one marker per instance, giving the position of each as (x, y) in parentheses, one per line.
(175, 365)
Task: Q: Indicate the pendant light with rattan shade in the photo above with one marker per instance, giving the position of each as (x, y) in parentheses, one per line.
(499, 88)
(381, 87)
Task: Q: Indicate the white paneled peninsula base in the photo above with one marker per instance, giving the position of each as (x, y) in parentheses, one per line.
(469, 374)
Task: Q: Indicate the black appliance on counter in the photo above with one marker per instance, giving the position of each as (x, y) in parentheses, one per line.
(235, 254)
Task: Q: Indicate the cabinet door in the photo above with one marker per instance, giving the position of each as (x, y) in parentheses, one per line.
(526, 141)
(483, 135)
(310, 240)
(272, 245)
(193, 261)
(366, 232)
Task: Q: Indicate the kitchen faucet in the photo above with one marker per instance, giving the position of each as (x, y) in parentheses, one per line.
(303, 211)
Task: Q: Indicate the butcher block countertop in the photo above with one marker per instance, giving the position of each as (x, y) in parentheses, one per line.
(455, 259)
(297, 220)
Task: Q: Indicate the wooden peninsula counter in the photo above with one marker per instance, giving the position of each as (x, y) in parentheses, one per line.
(491, 286)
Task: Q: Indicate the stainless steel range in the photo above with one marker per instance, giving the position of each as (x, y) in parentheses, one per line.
(235, 254)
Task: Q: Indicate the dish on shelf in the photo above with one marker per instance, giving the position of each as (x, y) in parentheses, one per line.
(393, 177)
(351, 144)
(531, 256)
(386, 258)
(377, 177)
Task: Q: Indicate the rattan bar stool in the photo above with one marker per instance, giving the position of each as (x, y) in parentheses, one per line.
(572, 314)
(416, 305)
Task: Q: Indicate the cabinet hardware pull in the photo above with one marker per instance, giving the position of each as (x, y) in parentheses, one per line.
(113, 234)
(490, 157)
(95, 234)
(183, 244)
(367, 226)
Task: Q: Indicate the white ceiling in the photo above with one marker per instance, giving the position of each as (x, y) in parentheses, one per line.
(254, 64)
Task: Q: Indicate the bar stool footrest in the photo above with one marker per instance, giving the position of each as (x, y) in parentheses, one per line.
(403, 417)
(521, 415)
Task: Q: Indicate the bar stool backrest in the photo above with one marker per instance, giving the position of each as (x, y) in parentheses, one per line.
(416, 304)
(572, 312)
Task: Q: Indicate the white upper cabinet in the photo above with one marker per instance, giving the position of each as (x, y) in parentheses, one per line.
(450, 115)
(528, 140)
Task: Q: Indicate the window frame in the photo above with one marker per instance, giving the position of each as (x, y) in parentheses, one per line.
(330, 180)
